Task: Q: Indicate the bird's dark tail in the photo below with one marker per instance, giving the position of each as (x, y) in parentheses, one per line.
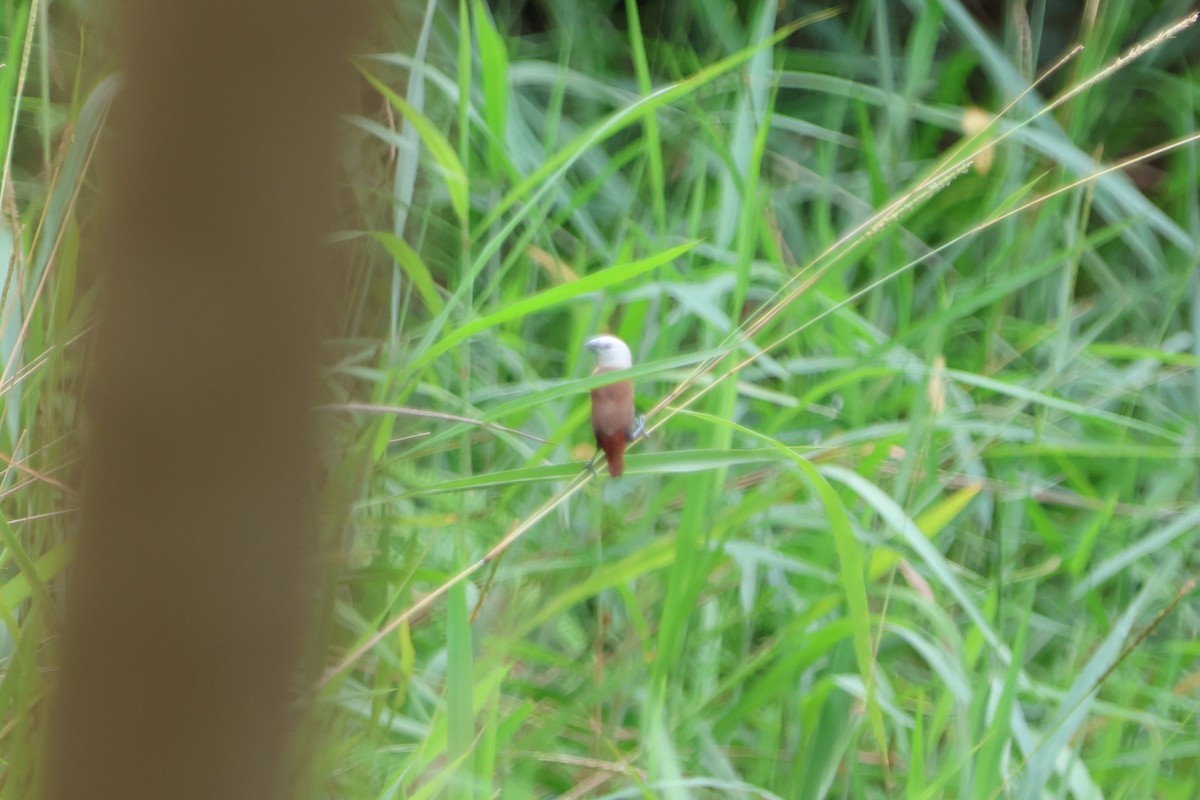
(613, 446)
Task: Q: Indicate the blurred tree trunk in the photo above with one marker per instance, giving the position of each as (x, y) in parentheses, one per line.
(189, 602)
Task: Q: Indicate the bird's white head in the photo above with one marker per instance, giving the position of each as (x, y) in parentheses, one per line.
(611, 352)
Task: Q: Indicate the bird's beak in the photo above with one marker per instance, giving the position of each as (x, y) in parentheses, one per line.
(590, 344)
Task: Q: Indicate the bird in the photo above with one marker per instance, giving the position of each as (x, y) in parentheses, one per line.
(614, 420)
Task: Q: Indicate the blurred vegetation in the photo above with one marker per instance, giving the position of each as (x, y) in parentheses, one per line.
(918, 516)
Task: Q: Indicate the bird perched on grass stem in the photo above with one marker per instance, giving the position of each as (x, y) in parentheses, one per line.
(613, 418)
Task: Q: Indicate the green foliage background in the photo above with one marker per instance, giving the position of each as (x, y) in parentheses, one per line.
(934, 539)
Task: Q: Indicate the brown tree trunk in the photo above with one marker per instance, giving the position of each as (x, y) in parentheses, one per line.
(188, 603)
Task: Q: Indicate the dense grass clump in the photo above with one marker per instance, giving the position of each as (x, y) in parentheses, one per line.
(913, 301)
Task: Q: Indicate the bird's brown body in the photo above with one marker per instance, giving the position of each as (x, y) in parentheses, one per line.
(612, 420)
